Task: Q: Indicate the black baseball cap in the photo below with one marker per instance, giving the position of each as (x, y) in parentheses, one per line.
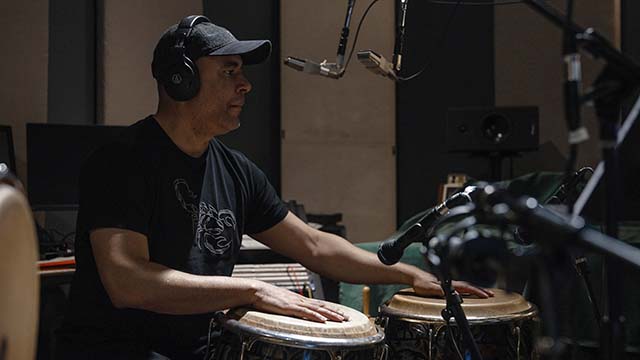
(208, 39)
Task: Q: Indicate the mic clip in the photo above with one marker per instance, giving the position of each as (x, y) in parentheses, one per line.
(332, 70)
(376, 63)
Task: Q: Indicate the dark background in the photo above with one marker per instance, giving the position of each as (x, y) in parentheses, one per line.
(460, 74)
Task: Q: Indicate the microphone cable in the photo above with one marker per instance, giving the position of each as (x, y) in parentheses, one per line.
(439, 45)
(477, 3)
(355, 37)
(445, 32)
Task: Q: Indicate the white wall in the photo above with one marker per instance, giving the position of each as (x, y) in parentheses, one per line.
(339, 134)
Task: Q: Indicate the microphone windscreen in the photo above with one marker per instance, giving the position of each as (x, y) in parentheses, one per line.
(294, 63)
(389, 253)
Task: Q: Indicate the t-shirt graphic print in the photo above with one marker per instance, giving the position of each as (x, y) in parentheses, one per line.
(215, 230)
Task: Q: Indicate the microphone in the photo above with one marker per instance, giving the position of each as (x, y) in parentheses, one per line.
(344, 35)
(571, 87)
(329, 70)
(399, 44)
(571, 187)
(377, 64)
(390, 251)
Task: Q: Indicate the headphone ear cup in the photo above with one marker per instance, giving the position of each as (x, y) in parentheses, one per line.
(182, 80)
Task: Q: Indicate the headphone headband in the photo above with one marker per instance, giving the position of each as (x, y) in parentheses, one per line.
(185, 28)
(180, 77)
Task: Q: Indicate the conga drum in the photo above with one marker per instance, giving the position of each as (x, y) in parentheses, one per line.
(19, 280)
(251, 335)
(503, 326)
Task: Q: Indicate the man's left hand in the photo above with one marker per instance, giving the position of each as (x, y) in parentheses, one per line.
(426, 284)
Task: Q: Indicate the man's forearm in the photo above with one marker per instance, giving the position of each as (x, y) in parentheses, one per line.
(154, 287)
(343, 261)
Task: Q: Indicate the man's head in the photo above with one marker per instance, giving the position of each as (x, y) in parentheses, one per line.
(199, 65)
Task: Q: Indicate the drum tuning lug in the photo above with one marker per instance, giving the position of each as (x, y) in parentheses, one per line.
(420, 330)
(385, 352)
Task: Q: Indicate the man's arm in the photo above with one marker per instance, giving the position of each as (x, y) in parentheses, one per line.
(133, 281)
(337, 258)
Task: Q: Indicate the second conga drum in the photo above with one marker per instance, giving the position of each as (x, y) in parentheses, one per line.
(251, 335)
(503, 326)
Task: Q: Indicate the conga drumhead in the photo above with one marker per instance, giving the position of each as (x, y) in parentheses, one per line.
(357, 331)
(503, 306)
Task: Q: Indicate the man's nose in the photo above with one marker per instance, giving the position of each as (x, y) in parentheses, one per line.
(244, 85)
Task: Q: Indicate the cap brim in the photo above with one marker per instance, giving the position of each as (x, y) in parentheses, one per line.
(252, 51)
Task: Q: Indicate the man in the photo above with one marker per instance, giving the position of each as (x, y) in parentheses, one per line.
(163, 210)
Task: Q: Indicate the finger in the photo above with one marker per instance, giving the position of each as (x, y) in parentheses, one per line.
(466, 288)
(308, 314)
(329, 313)
(432, 290)
(325, 309)
(486, 291)
(333, 308)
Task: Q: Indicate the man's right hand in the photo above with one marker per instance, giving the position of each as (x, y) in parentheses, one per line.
(270, 298)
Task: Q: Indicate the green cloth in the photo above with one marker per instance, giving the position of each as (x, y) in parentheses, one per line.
(351, 294)
(539, 185)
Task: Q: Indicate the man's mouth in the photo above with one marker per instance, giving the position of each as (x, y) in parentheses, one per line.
(237, 104)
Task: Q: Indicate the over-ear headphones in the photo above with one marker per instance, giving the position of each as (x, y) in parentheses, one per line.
(180, 76)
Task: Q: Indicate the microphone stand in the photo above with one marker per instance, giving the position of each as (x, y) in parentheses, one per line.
(563, 195)
(437, 254)
(619, 78)
(554, 232)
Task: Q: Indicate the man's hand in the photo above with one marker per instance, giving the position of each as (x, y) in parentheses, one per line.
(426, 284)
(281, 301)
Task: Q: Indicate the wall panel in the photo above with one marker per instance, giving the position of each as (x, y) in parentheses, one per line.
(127, 35)
(338, 135)
(23, 70)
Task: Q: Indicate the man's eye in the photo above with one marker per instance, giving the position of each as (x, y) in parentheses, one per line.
(229, 72)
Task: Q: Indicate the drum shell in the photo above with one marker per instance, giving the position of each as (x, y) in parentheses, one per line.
(247, 340)
(418, 336)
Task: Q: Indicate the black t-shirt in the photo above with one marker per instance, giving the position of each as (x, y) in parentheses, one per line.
(193, 212)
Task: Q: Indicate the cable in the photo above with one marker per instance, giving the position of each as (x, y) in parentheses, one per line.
(444, 33)
(452, 339)
(355, 37)
(294, 278)
(477, 3)
(438, 46)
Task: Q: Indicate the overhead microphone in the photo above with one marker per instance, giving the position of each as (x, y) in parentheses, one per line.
(377, 64)
(330, 70)
(572, 102)
(344, 35)
(399, 41)
(390, 251)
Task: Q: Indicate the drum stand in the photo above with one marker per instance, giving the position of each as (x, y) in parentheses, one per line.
(620, 77)
(438, 257)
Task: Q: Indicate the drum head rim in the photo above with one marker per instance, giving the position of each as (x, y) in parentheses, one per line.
(302, 341)
(388, 312)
